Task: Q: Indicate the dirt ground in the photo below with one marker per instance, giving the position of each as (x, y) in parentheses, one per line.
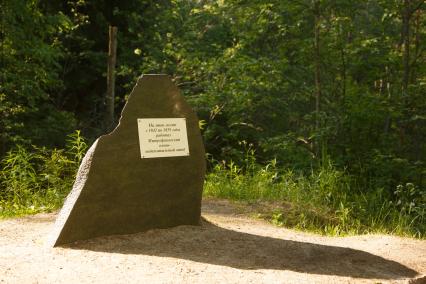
(229, 247)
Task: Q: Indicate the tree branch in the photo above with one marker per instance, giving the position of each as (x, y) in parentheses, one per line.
(417, 7)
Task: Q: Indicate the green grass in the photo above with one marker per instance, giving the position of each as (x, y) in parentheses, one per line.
(324, 201)
(37, 180)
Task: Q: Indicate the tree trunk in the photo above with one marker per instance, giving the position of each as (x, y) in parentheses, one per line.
(343, 59)
(417, 50)
(317, 72)
(406, 15)
(110, 94)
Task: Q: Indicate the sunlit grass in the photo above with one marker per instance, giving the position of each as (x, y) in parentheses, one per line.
(323, 201)
(37, 180)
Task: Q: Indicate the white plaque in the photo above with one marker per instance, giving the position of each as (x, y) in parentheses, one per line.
(162, 137)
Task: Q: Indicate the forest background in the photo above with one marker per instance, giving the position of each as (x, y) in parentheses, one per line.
(314, 108)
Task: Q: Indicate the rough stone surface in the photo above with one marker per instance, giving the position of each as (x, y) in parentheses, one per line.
(117, 192)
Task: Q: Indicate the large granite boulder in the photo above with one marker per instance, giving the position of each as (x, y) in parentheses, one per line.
(119, 192)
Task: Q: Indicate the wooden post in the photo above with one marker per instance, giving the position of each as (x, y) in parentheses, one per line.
(110, 94)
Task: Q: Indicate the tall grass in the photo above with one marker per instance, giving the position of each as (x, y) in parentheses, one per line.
(326, 200)
(37, 179)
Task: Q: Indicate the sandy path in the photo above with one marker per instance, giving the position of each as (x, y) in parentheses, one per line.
(229, 248)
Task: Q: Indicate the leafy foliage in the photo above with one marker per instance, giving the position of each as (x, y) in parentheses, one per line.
(307, 84)
(31, 81)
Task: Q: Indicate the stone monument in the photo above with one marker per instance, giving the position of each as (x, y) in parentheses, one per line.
(147, 173)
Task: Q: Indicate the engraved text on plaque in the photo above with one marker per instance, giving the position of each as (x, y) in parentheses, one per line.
(162, 137)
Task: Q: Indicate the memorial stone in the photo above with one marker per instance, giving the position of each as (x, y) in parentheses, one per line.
(147, 173)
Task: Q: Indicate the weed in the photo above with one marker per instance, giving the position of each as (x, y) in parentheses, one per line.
(326, 200)
(37, 179)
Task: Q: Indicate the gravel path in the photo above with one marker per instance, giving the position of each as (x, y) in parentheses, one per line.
(228, 248)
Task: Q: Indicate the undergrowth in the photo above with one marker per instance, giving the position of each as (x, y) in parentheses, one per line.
(38, 179)
(326, 200)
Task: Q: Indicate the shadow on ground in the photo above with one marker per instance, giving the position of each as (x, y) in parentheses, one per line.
(215, 245)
